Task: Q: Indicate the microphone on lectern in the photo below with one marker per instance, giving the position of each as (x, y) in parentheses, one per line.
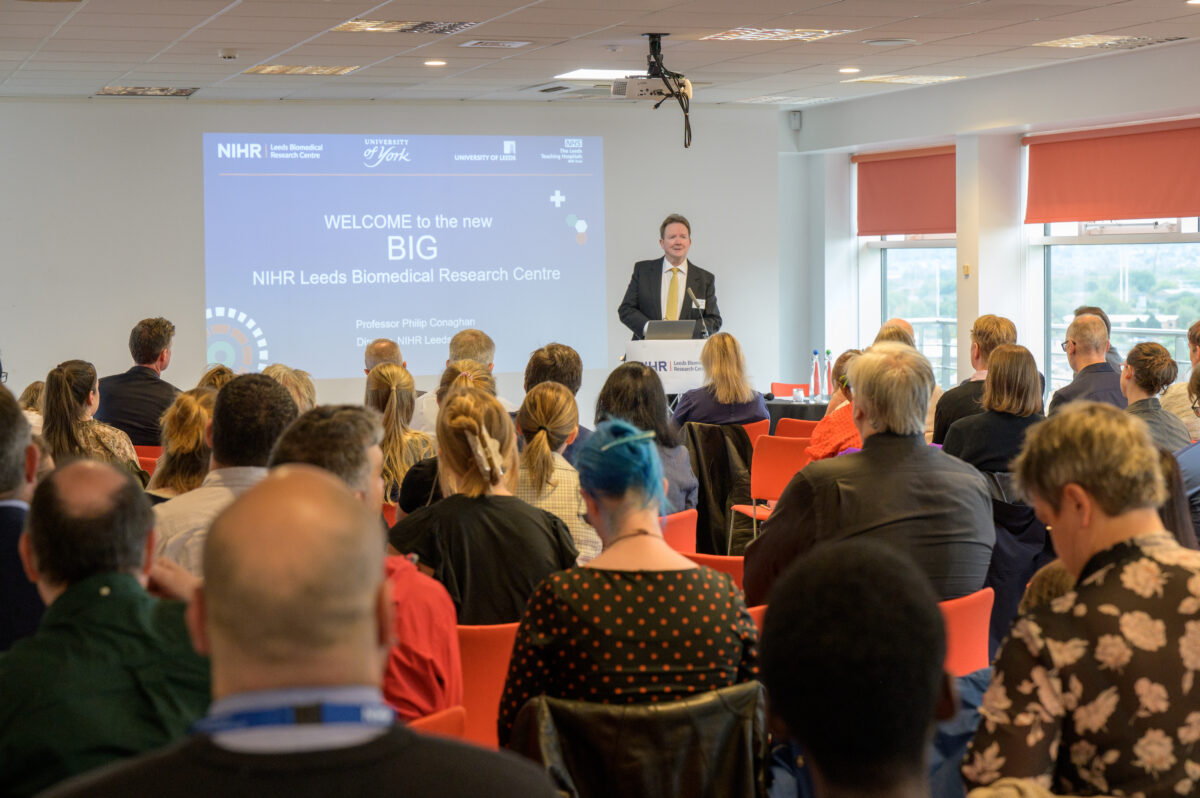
(696, 305)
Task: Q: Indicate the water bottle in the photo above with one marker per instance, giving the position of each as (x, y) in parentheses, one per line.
(814, 382)
(829, 386)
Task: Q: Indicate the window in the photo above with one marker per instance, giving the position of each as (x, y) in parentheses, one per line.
(1142, 272)
(919, 285)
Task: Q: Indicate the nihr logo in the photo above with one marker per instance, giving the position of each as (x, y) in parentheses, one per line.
(239, 150)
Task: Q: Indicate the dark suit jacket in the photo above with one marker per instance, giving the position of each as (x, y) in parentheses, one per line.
(133, 402)
(1097, 382)
(643, 297)
(898, 490)
(21, 607)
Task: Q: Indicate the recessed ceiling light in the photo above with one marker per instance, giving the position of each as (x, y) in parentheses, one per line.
(435, 63)
(1193, 2)
(893, 42)
(911, 80)
(774, 34)
(779, 99)
(849, 70)
(1106, 41)
(144, 91)
(599, 74)
(398, 26)
(496, 43)
(285, 69)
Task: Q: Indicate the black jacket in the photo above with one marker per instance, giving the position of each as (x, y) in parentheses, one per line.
(643, 297)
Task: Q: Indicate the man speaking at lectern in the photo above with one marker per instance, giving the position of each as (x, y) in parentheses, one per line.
(659, 288)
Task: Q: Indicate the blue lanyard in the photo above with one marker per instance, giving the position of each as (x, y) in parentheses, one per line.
(372, 714)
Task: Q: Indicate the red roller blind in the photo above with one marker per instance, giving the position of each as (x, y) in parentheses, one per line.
(906, 192)
(1136, 172)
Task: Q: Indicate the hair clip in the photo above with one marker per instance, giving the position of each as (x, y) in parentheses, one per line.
(641, 436)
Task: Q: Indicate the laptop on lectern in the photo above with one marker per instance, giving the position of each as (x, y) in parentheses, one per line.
(678, 330)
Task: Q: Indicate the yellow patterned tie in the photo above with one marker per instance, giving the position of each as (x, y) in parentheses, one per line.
(673, 296)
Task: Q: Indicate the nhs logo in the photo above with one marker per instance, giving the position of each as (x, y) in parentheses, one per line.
(239, 151)
(572, 142)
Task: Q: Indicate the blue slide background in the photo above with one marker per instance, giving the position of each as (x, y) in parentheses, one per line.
(266, 199)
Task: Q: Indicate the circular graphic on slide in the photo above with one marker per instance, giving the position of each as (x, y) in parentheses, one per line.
(235, 340)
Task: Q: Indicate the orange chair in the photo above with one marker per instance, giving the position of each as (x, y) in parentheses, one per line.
(718, 562)
(389, 514)
(758, 614)
(776, 461)
(679, 530)
(795, 427)
(148, 457)
(785, 390)
(967, 620)
(485, 652)
(450, 722)
(756, 429)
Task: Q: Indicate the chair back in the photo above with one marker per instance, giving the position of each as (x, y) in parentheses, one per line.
(679, 530)
(758, 613)
(450, 722)
(148, 457)
(485, 653)
(389, 514)
(795, 427)
(756, 429)
(776, 461)
(787, 389)
(710, 744)
(734, 566)
(967, 621)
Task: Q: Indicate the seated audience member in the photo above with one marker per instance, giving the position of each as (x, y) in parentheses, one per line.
(727, 396)
(963, 400)
(548, 421)
(297, 383)
(20, 605)
(634, 393)
(1111, 356)
(1148, 370)
(294, 615)
(382, 351)
(424, 674)
(1092, 693)
(184, 461)
(1011, 404)
(489, 548)
(216, 377)
(897, 489)
(697, 634)
(836, 431)
(901, 331)
(31, 404)
(853, 635)
(110, 671)
(1176, 399)
(420, 486)
(390, 390)
(1189, 457)
(562, 364)
(469, 344)
(248, 416)
(70, 402)
(1095, 380)
(134, 401)
(45, 459)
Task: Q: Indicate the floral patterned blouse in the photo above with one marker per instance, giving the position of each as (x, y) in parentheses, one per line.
(1095, 693)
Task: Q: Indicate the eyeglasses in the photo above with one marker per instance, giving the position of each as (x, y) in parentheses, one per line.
(3, 376)
(1196, 408)
(1064, 344)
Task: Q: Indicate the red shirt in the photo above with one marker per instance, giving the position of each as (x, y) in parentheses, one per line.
(835, 433)
(424, 672)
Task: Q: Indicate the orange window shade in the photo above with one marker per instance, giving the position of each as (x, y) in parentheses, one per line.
(1142, 172)
(906, 193)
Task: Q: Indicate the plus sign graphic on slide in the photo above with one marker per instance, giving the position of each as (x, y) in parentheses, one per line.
(557, 198)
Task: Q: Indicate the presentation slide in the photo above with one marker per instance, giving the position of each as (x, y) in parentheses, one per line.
(316, 245)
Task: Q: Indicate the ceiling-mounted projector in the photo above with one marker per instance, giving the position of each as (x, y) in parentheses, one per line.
(644, 87)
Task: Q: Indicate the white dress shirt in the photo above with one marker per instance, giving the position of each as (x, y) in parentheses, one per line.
(182, 523)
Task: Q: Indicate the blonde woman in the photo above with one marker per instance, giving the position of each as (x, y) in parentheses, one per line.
(549, 421)
(488, 548)
(727, 396)
(298, 383)
(70, 400)
(391, 391)
(186, 449)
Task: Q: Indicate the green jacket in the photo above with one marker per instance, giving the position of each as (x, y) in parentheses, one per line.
(109, 674)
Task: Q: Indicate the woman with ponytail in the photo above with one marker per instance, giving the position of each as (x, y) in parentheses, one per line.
(391, 391)
(186, 451)
(488, 548)
(549, 421)
(664, 628)
(70, 400)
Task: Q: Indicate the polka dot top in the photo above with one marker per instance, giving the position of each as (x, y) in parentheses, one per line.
(628, 637)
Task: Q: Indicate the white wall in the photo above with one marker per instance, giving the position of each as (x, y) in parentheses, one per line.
(101, 215)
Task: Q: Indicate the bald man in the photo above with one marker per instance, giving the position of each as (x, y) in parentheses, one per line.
(110, 672)
(295, 615)
(382, 350)
(1086, 345)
